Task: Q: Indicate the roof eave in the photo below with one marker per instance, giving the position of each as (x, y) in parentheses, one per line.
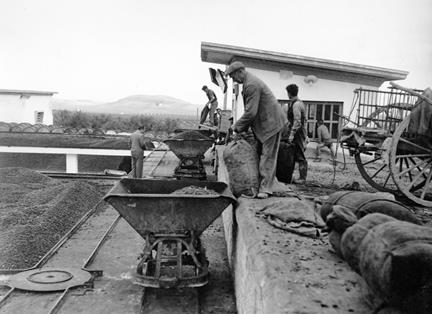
(231, 52)
(28, 92)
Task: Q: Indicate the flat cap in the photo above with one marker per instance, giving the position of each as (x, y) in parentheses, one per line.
(236, 65)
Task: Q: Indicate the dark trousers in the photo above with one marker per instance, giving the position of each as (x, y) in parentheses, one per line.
(268, 153)
(137, 164)
(300, 158)
(209, 111)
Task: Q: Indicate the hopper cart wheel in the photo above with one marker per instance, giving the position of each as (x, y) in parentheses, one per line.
(142, 267)
(411, 165)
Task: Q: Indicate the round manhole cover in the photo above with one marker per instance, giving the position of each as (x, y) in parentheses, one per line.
(50, 276)
(49, 279)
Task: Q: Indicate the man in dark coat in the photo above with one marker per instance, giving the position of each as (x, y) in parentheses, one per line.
(296, 132)
(264, 115)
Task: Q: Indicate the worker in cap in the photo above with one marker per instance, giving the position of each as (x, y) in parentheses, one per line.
(137, 144)
(210, 107)
(264, 115)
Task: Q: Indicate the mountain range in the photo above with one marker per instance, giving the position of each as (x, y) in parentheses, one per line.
(136, 104)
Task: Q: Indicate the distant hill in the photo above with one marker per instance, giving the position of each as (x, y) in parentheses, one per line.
(136, 104)
(66, 104)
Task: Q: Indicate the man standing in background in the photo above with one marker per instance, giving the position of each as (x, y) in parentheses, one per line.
(296, 132)
(265, 117)
(210, 107)
(137, 147)
(324, 140)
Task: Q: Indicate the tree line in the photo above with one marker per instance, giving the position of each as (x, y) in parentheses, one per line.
(115, 122)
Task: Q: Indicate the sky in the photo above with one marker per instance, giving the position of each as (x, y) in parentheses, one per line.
(106, 50)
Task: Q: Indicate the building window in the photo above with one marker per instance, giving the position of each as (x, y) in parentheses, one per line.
(39, 116)
(315, 110)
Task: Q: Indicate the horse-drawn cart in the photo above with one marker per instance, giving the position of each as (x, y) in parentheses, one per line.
(391, 140)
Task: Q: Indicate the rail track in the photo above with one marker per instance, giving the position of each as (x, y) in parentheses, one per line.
(157, 301)
(184, 301)
(82, 176)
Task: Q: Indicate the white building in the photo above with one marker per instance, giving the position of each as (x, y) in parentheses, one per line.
(26, 106)
(326, 86)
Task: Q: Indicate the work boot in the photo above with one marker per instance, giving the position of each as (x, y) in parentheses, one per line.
(299, 181)
(262, 195)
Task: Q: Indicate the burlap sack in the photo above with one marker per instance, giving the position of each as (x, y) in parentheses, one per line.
(363, 203)
(354, 235)
(340, 219)
(395, 259)
(335, 241)
(241, 161)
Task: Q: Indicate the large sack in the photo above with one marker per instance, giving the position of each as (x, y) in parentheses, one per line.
(395, 259)
(285, 161)
(293, 215)
(292, 209)
(249, 137)
(363, 203)
(351, 199)
(335, 241)
(241, 161)
(340, 219)
(396, 262)
(354, 235)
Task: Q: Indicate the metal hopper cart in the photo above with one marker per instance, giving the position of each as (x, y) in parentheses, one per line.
(171, 225)
(191, 154)
(390, 143)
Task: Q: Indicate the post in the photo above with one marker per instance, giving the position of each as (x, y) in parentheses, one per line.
(71, 163)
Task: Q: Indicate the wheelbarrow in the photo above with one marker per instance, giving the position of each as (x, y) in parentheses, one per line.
(191, 153)
(171, 225)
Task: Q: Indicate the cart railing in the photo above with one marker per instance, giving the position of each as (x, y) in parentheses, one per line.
(383, 109)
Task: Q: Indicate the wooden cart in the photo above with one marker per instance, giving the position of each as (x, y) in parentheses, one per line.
(391, 140)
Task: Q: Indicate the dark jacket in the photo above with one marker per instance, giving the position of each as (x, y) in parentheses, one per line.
(263, 113)
(137, 143)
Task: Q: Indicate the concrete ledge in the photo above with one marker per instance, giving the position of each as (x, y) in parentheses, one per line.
(280, 272)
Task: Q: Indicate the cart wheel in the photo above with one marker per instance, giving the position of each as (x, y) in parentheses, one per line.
(411, 165)
(376, 172)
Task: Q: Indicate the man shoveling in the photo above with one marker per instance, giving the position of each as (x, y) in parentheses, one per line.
(209, 108)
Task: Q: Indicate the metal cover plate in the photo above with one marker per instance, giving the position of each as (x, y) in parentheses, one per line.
(49, 279)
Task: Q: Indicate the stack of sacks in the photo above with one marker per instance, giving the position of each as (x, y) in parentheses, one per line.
(347, 206)
(394, 257)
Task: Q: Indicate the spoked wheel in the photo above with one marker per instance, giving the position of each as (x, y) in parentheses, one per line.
(375, 170)
(411, 165)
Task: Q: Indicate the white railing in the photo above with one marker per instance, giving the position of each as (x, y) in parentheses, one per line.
(71, 153)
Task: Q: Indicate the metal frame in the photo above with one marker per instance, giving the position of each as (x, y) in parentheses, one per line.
(312, 119)
(183, 254)
(383, 109)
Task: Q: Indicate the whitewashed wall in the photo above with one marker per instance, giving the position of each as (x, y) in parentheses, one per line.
(322, 90)
(14, 108)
